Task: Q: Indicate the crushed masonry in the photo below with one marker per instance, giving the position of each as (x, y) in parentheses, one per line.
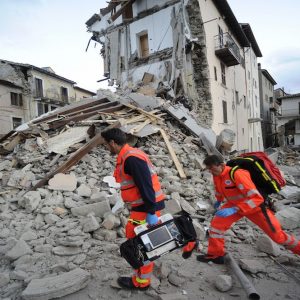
(61, 218)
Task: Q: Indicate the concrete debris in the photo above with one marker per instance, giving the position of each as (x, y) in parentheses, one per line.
(78, 219)
(99, 209)
(290, 192)
(30, 201)
(223, 283)
(265, 244)
(21, 248)
(84, 190)
(252, 266)
(4, 279)
(63, 182)
(58, 286)
(90, 224)
(289, 218)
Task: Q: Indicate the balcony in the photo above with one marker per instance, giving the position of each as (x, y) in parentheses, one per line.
(227, 50)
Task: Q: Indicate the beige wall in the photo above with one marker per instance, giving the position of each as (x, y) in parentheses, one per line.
(235, 81)
(8, 111)
(79, 95)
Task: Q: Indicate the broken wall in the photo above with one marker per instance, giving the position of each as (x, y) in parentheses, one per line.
(196, 51)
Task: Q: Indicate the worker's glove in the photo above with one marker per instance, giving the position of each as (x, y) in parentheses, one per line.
(226, 212)
(217, 204)
(152, 219)
(188, 249)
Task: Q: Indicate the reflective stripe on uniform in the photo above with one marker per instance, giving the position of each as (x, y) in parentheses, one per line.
(137, 222)
(250, 203)
(252, 192)
(217, 230)
(237, 197)
(139, 280)
(216, 236)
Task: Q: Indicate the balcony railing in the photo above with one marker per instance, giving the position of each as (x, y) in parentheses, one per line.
(227, 50)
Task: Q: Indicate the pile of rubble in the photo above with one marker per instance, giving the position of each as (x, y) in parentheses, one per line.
(62, 219)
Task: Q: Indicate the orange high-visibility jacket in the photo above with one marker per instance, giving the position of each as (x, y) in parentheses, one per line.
(241, 193)
(129, 191)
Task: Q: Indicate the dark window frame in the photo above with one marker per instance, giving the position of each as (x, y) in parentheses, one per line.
(39, 88)
(16, 121)
(16, 99)
(223, 73)
(225, 118)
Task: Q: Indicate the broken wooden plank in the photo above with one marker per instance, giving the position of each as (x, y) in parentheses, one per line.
(173, 154)
(148, 114)
(120, 11)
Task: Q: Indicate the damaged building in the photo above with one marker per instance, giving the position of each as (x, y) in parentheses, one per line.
(190, 52)
(27, 91)
(289, 119)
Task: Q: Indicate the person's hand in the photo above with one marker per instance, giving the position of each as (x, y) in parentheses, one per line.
(226, 212)
(151, 219)
(217, 204)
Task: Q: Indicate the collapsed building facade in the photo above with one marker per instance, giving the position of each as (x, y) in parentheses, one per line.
(193, 52)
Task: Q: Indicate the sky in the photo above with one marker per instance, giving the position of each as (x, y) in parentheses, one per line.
(53, 33)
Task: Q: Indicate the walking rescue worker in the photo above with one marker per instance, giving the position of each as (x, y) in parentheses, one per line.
(241, 199)
(141, 190)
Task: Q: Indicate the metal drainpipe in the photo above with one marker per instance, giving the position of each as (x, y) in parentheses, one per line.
(246, 284)
(246, 92)
(236, 111)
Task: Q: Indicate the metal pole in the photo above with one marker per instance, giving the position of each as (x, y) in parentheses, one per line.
(246, 284)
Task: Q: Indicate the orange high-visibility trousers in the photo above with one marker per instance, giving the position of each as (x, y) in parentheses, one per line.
(142, 276)
(220, 225)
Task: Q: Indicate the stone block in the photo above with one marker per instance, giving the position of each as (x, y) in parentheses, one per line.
(30, 200)
(90, 224)
(99, 209)
(252, 266)
(223, 283)
(56, 287)
(51, 219)
(4, 279)
(289, 218)
(265, 244)
(66, 251)
(20, 249)
(84, 190)
(172, 206)
(63, 182)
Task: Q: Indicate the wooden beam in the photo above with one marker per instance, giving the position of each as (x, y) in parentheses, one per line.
(120, 11)
(173, 154)
(146, 113)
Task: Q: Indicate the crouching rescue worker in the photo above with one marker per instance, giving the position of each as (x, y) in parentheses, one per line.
(241, 199)
(141, 190)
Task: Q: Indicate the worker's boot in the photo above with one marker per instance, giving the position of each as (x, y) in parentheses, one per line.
(215, 259)
(127, 283)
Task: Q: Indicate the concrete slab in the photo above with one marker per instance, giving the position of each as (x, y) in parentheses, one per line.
(56, 287)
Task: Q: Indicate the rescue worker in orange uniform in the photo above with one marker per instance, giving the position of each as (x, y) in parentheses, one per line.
(241, 199)
(141, 191)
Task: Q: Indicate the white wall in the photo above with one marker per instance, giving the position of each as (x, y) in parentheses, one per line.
(159, 31)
